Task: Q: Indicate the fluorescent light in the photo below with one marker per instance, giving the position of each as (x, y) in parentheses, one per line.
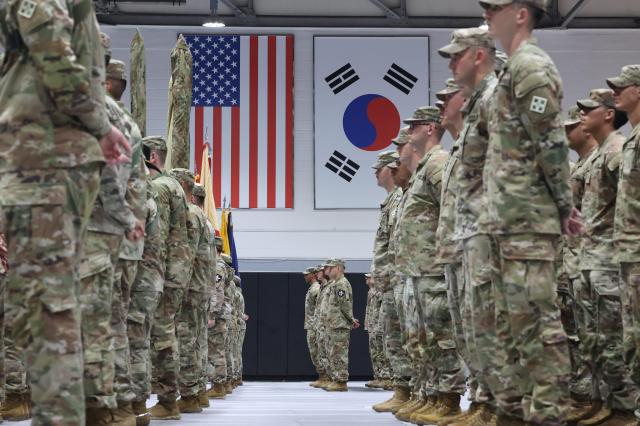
(213, 24)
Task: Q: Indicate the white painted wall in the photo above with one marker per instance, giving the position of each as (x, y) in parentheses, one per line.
(288, 240)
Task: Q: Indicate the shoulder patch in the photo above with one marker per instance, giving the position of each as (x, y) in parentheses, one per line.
(538, 104)
(218, 278)
(341, 293)
(27, 8)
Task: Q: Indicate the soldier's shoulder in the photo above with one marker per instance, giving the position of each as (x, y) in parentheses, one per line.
(532, 62)
(616, 143)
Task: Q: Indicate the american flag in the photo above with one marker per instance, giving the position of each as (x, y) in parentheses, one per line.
(243, 106)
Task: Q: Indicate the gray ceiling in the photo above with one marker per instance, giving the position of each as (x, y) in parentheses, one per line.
(357, 13)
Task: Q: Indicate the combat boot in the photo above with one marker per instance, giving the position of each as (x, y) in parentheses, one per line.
(479, 414)
(123, 415)
(337, 387)
(448, 405)
(372, 383)
(228, 388)
(404, 413)
(388, 384)
(580, 410)
(316, 383)
(621, 418)
(16, 407)
(98, 416)
(189, 404)
(217, 391)
(598, 417)
(429, 406)
(203, 399)
(143, 417)
(400, 396)
(165, 410)
(463, 416)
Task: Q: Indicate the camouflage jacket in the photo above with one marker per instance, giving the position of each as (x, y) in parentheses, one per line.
(51, 92)
(150, 275)
(627, 218)
(395, 209)
(418, 221)
(217, 306)
(372, 311)
(571, 252)
(381, 264)
(321, 304)
(599, 203)
(310, 303)
(229, 308)
(474, 139)
(526, 176)
(242, 324)
(339, 305)
(4, 262)
(172, 213)
(201, 273)
(446, 249)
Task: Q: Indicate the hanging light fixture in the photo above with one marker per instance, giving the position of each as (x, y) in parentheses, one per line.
(215, 21)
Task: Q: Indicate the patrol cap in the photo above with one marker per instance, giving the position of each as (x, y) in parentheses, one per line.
(310, 270)
(573, 116)
(501, 60)
(367, 275)
(226, 258)
(116, 70)
(319, 267)
(465, 38)
(425, 114)
(218, 241)
(334, 261)
(183, 175)
(402, 138)
(157, 143)
(440, 105)
(598, 97)
(629, 76)
(384, 158)
(451, 89)
(539, 4)
(396, 163)
(198, 191)
(105, 42)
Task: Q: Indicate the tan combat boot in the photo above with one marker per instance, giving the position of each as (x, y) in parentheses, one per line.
(203, 399)
(143, 417)
(189, 404)
(597, 417)
(316, 384)
(388, 384)
(337, 387)
(479, 414)
(165, 410)
(372, 383)
(228, 387)
(431, 402)
(621, 418)
(16, 407)
(98, 416)
(404, 413)
(400, 396)
(217, 391)
(448, 405)
(580, 410)
(463, 416)
(123, 415)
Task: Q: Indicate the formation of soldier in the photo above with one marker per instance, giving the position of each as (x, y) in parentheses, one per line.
(113, 282)
(500, 269)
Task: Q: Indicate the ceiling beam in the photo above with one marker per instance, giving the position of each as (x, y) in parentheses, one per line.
(391, 14)
(236, 10)
(580, 4)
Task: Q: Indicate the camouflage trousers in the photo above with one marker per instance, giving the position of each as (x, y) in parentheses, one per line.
(164, 338)
(203, 347)
(401, 367)
(124, 277)
(239, 343)
(414, 336)
(191, 324)
(217, 368)
(46, 213)
(337, 349)
(142, 309)
(15, 374)
(630, 287)
(3, 335)
(228, 347)
(96, 296)
(379, 360)
(461, 311)
(321, 337)
(610, 372)
(530, 330)
(312, 344)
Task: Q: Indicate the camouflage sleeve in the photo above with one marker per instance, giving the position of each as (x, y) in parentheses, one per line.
(4, 263)
(539, 107)
(47, 33)
(381, 261)
(178, 250)
(136, 186)
(346, 300)
(313, 300)
(434, 171)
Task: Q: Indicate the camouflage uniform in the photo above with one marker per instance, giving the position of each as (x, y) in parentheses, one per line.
(339, 322)
(526, 180)
(310, 304)
(4, 267)
(242, 329)
(52, 99)
(217, 336)
(321, 307)
(379, 360)
(232, 324)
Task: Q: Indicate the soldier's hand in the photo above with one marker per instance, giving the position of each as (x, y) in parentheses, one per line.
(211, 323)
(245, 317)
(115, 147)
(136, 232)
(356, 323)
(573, 225)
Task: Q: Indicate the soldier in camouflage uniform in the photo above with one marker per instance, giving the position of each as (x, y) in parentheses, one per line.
(599, 270)
(626, 87)
(218, 329)
(310, 303)
(323, 373)
(528, 205)
(53, 117)
(232, 326)
(4, 267)
(471, 60)
(339, 320)
(172, 217)
(191, 321)
(242, 330)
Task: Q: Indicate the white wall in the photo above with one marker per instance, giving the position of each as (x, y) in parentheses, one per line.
(289, 240)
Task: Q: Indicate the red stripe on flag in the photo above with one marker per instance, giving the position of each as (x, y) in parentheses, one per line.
(288, 128)
(199, 145)
(271, 124)
(217, 153)
(253, 122)
(235, 157)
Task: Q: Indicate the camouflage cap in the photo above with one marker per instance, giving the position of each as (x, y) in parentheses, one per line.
(218, 241)
(598, 97)
(573, 116)
(465, 38)
(396, 163)
(629, 76)
(184, 175)
(310, 270)
(501, 60)
(320, 267)
(198, 191)
(540, 4)
(384, 158)
(157, 143)
(440, 105)
(402, 138)
(105, 42)
(334, 261)
(226, 258)
(425, 114)
(451, 89)
(116, 70)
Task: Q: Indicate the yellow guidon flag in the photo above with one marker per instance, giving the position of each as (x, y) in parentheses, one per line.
(205, 180)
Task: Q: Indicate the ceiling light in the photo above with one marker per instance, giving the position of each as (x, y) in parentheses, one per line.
(213, 24)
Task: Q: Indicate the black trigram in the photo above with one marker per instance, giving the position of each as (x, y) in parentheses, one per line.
(339, 164)
(400, 78)
(342, 78)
